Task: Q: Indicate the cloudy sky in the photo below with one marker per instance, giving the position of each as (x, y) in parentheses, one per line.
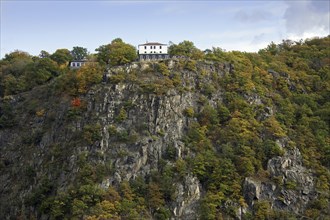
(33, 26)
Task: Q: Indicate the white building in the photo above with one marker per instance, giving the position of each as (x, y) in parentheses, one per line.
(75, 64)
(152, 51)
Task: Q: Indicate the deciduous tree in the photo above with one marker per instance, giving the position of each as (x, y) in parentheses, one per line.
(62, 56)
(79, 53)
(116, 53)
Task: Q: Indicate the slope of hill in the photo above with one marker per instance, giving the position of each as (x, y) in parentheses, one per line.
(224, 135)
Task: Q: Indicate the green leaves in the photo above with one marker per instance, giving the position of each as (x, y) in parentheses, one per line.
(61, 56)
(186, 49)
(116, 53)
(79, 53)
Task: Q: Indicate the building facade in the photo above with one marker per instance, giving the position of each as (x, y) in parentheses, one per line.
(76, 64)
(152, 51)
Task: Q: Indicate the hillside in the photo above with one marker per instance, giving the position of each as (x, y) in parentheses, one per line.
(213, 135)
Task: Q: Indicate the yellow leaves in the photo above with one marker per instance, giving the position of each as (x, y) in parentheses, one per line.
(273, 127)
(189, 112)
(79, 81)
(106, 210)
(249, 86)
(87, 75)
(41, 112)
(108, 207)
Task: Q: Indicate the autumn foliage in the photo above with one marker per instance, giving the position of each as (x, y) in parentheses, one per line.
(76, 102)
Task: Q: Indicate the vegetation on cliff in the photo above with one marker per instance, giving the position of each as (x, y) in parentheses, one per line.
(245, 105)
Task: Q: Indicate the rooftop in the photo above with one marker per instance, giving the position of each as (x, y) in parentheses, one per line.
(151, 43)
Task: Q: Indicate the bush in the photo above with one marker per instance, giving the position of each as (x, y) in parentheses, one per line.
(92, 133)
(189, 112)
(191, 65)
(112, 130)
(162, 68)
(122, 115)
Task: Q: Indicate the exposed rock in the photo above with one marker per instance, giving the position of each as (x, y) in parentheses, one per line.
(188, 195)
(296, 188)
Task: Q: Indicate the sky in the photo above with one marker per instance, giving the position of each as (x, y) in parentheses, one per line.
(33, 26)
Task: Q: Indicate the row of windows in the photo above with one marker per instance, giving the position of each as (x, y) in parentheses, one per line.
(153, 52)
(77, 64)
(152, 47)
(154, 57)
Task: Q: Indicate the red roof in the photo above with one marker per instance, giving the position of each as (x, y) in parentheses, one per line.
(151, 43)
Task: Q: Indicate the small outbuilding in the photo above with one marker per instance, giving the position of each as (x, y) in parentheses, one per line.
(76, 64)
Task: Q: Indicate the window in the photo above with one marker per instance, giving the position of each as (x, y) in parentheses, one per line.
(145, 47)
(73, 64)
(145, 51)
(160, 51)
(150, 47)
(160, 47)
(154, 47)
(150, 51)
(78, 64)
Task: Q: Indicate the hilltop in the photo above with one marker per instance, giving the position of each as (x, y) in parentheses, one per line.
(210, 135)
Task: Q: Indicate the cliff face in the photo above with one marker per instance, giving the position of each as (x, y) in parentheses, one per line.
(152, 125)
(124, 131)
(292, 186)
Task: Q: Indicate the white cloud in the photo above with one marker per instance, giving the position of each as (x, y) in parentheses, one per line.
(250, 40)
(302, 17)
(248, 33)
(305, 35)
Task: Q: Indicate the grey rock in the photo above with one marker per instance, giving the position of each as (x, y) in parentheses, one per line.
(298, 183)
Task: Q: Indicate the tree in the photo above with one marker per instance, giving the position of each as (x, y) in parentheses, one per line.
(185, 48)
(17, 55)
(272, 48)
(116, 53)
(155, 196)
(49, 65)
(61, 56)
(79, 53)
(88, 75)
(44, 54)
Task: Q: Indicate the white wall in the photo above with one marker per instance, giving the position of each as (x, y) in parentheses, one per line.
(77, 64)
(154, 50)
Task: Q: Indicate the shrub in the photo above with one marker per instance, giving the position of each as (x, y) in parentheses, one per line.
(92, 133)
(191, 65)
(112, 130)
(122, 115)
(189, 112)
(162, 68)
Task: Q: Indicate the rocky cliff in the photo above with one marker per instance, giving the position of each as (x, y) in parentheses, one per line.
(135, 127)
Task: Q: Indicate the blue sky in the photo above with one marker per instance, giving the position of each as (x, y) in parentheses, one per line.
(33, 26)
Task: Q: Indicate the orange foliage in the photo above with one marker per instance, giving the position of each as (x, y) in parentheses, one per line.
(76, 102)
